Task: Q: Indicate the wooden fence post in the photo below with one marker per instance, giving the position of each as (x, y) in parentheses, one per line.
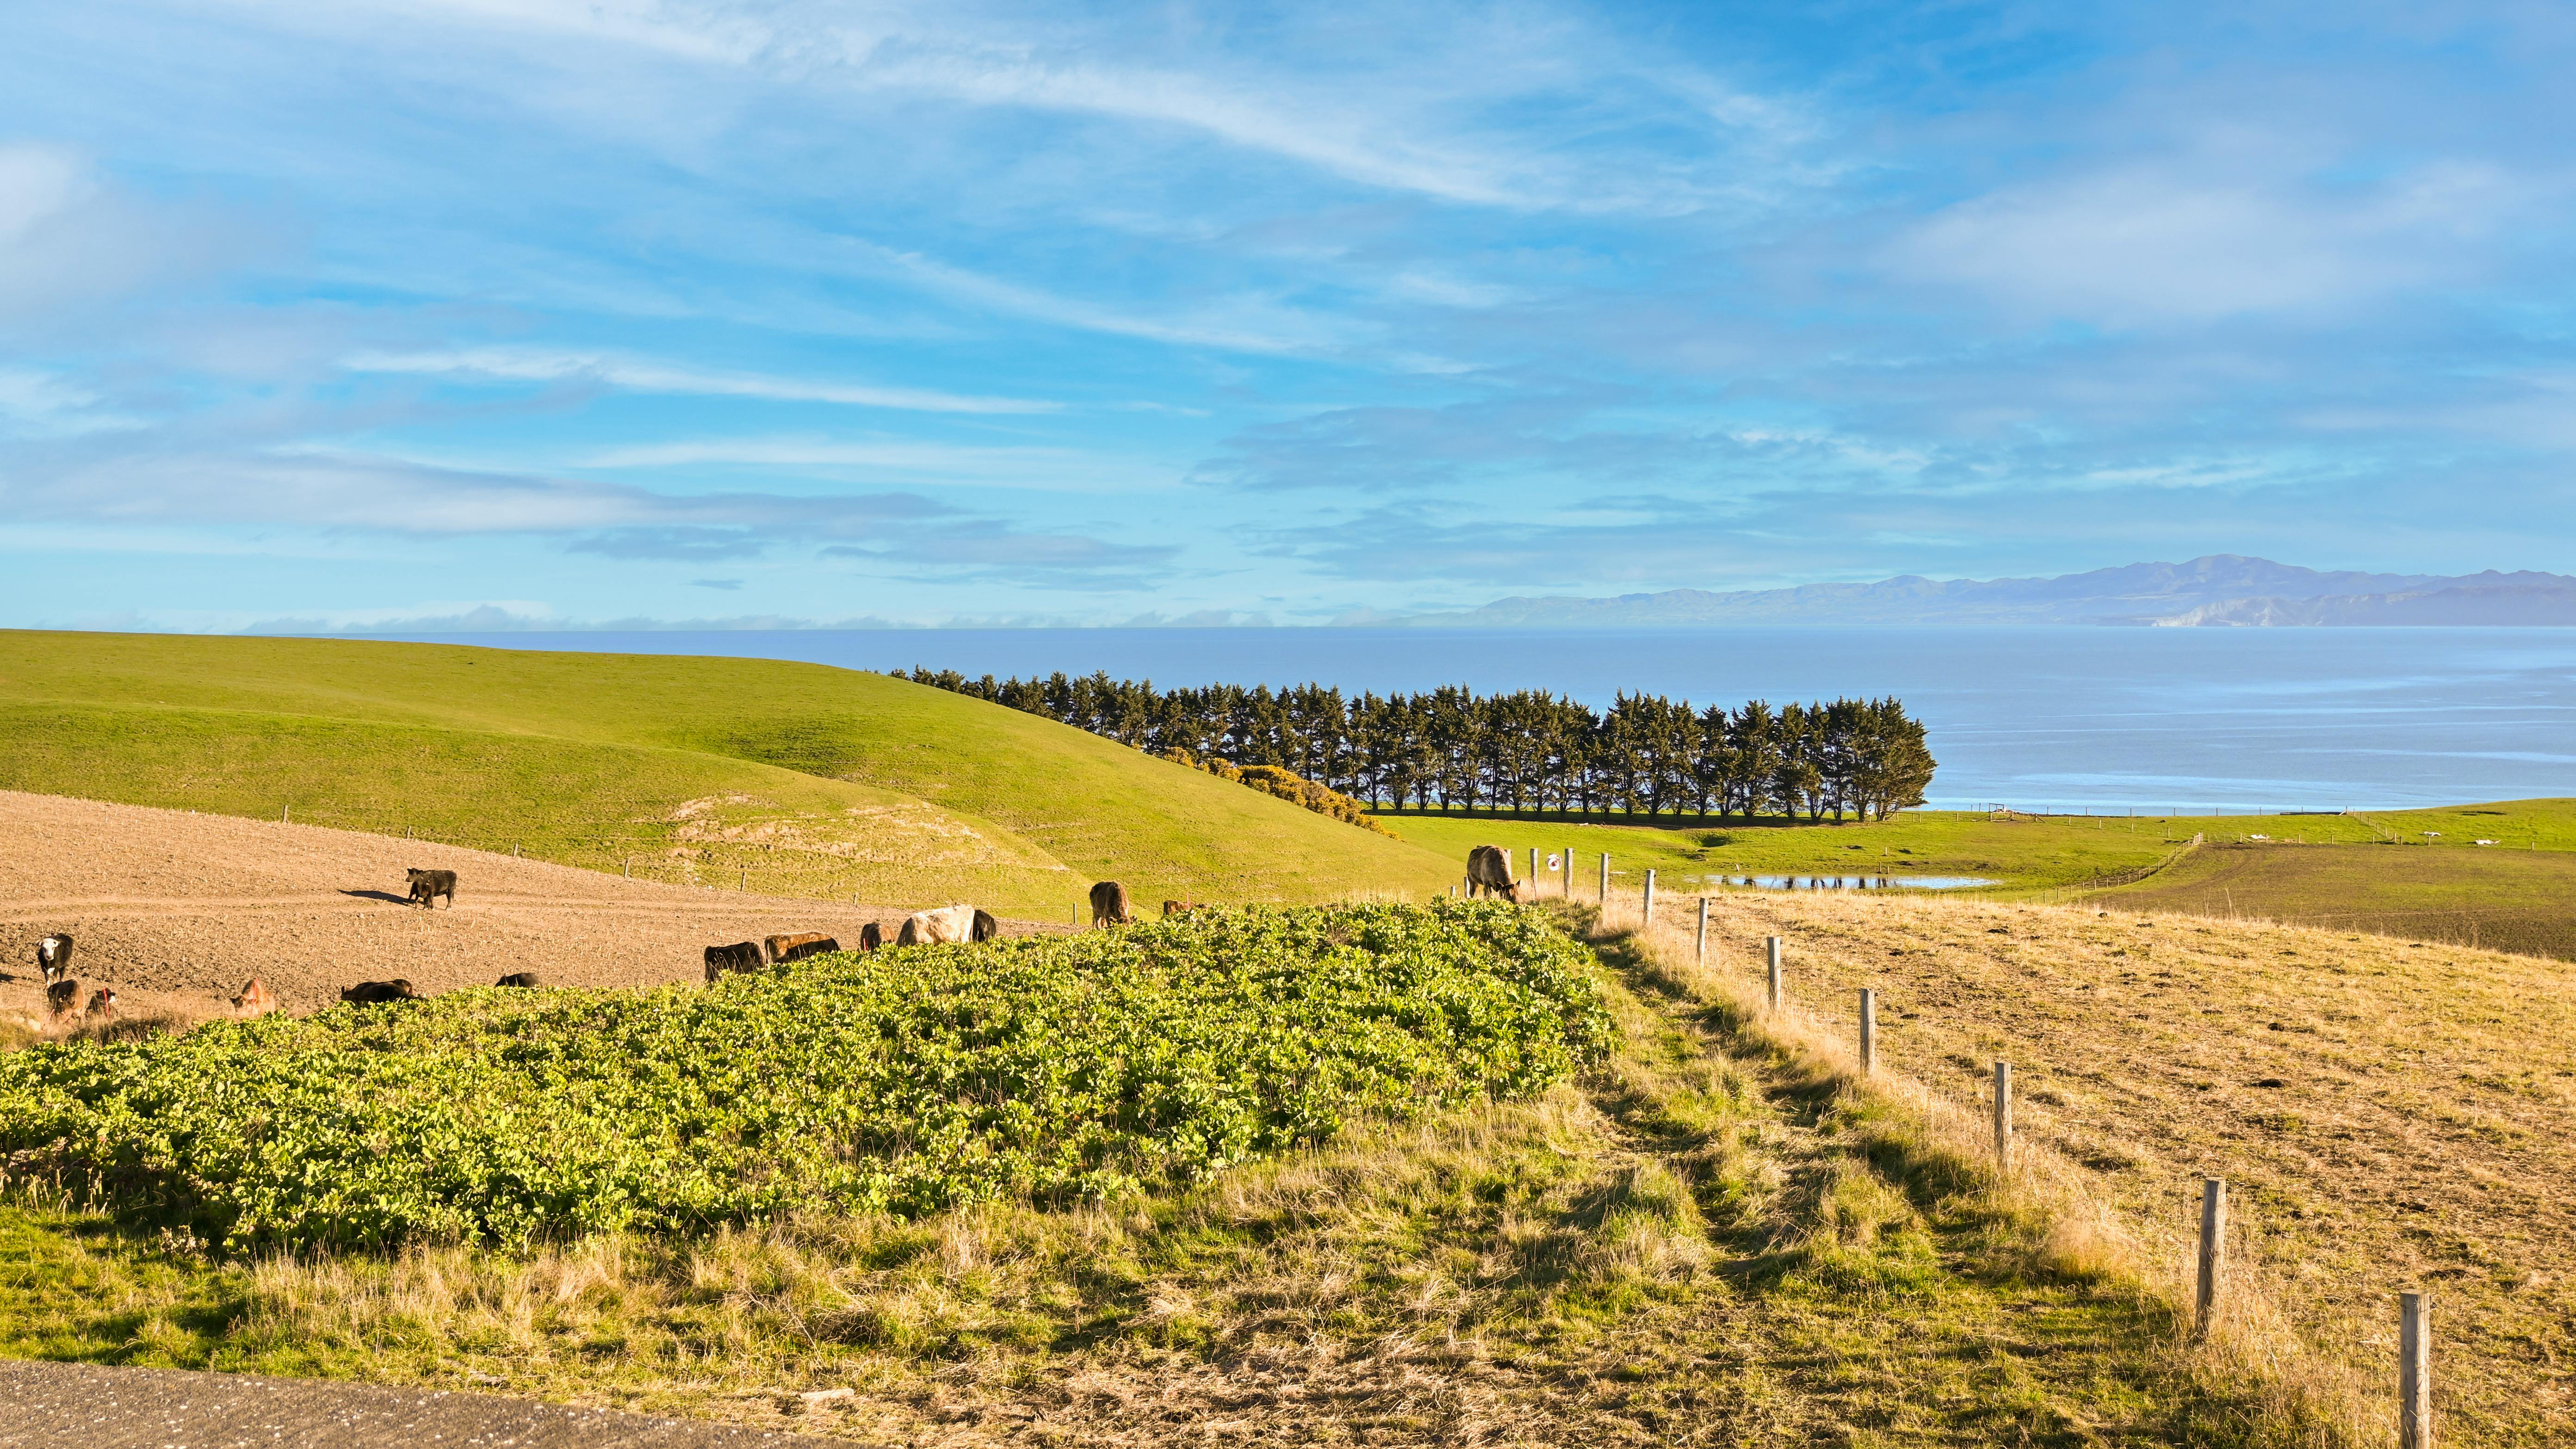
(1605, 883)
(2003, 1114)
(2415, 1371)
(1773, 944)
(2213, 1253)
(745, 883)
(630, 867)
(1650, 898)
(1533, 870)
(1868, 1032)
(1569, 872)
(1702, 957)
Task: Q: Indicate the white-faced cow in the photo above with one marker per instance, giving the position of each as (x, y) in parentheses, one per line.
(1489, 870)
(54, 957)
(947, 924)
(1109, 905)
(428, 885)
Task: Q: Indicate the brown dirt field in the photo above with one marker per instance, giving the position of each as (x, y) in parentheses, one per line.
(176, 910)
(2388, 1115)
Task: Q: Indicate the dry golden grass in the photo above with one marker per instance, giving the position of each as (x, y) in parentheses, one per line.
(2389, 1115)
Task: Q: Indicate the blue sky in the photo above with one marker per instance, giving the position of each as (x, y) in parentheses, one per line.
(359, 314)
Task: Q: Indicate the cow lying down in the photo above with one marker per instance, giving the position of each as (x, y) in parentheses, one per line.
(370, 993)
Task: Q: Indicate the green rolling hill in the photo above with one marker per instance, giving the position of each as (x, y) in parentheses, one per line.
(795, 779)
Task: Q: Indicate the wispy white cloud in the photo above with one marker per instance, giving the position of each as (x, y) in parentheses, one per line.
(510, 364)
(1054, 469)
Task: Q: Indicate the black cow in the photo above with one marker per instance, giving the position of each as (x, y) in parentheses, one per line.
(871, 937)
(740, 956)
(519, 978)
(986, 928)
(428, 885)
(54, 956)
(373, 993)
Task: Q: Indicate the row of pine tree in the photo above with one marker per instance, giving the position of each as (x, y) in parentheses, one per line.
(1529, 751)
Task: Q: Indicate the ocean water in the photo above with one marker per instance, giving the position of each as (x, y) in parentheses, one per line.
(2106, 719)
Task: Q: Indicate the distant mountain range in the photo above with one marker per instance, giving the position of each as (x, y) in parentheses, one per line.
(2222, 590)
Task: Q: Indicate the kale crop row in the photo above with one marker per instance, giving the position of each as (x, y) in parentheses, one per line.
(1053, 1069)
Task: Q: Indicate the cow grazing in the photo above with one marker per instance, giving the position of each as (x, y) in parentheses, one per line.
(947, 924)
(797, 947)
(254, 999)
(740, 956)
(1109, 905)
(102, 1004)
(1489, 870)
(1179, 908)
(54, 957)
(986, 928)
(373, 993)
(428, 885)
(871, 937)
(62, 997)
(519, 978)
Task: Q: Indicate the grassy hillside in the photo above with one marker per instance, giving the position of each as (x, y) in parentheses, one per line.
(1712, 1237)
(813, 780)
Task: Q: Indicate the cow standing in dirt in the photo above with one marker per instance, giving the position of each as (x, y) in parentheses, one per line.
(783, 949)
(254, 999)
(1489, 870)
(54, 957)
(428, 885)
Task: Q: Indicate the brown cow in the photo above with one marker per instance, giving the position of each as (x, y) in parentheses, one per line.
(797, 947)
(428, 885)
(254, 999)
(1489, 870)
(1109, 905)
(519, 978)
(374, 993)
(1179, 908)
(62, 998)
(102, 1004)
(740, 956)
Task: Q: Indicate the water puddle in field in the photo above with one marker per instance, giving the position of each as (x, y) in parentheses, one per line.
(1850, 882)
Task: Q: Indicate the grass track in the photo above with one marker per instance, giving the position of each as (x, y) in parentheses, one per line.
(816, 780)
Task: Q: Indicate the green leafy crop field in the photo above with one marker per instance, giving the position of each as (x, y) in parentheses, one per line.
(1047, 1069)
(793, 779)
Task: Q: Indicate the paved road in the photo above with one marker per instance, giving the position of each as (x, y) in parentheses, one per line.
(80, 1406)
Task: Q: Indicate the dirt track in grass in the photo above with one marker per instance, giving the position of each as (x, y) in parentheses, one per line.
(175, 911)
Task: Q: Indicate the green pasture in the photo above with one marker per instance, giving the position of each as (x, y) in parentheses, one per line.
(2504, 900)
(790, 778)
(2051, 855)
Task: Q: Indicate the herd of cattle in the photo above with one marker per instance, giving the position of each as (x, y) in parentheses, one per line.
(1488, 869)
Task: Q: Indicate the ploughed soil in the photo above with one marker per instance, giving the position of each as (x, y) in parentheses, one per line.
(175, 911)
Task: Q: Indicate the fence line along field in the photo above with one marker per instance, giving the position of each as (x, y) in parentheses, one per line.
(175, 911)
(2387, 1113)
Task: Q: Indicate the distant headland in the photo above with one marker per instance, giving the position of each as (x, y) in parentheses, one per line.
(2219, 590)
